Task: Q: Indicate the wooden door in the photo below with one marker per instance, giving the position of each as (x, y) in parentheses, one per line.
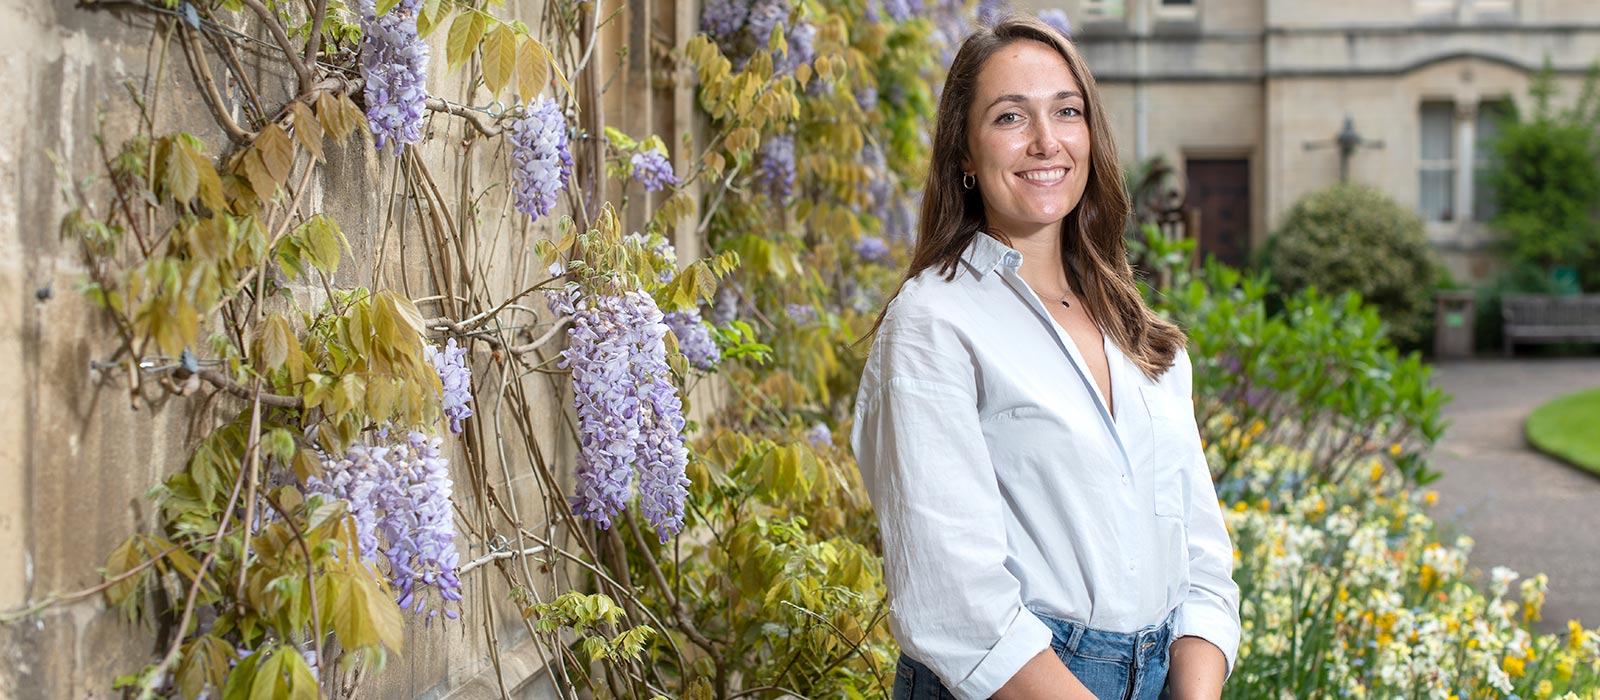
(1220, 188)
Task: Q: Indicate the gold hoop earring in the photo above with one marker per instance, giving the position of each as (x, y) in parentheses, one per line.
(968, 181)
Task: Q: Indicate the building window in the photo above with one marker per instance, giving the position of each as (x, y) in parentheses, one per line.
(1102, 9)
(1437, 167)
(1487, 129)
(1176, 10)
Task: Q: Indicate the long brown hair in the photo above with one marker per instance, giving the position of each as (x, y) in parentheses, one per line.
(1091, 237)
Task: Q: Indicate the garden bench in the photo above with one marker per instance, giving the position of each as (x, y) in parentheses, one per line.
(1531, 318)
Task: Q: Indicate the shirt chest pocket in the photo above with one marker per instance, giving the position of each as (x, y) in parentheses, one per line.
(1174, 440)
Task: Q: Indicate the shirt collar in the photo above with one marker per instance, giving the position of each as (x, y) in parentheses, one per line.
(984, 253)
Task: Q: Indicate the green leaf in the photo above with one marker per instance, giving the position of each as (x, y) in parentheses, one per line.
(269, 682)
(307, 130)
(280, 445)
(499, 58)
(384, 6)
(465, 33)
(323, 241)
(124, 558)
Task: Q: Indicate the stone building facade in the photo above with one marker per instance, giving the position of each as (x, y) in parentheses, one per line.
(1247, 99)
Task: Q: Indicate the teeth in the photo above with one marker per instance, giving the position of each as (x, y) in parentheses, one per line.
(1044, 175)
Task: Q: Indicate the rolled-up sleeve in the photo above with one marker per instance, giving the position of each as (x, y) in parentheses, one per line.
(1210, 611)
(921, 450)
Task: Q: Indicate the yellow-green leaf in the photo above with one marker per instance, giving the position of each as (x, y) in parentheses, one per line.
(533, 73)
(183, 179)
(428, 19)
(307, 130)
(277, 152)
(499, 58)
(384, 6)
(465, 33)
(122, 559)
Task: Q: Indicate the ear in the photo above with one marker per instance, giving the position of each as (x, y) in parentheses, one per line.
(966, 164)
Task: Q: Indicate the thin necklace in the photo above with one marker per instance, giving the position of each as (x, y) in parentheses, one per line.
(1063, 299)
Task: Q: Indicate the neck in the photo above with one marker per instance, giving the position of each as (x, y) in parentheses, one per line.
(1042, 267)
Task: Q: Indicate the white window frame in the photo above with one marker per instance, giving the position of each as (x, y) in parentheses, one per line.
(1481, 157)
(1438, 165)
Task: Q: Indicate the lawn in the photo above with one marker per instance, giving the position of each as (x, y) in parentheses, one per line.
(1569, 428)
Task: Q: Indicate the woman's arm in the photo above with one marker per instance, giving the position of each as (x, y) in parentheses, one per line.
(1044, 677)
(1197, 671)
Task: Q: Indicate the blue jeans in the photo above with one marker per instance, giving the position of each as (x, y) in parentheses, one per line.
(1112, 665)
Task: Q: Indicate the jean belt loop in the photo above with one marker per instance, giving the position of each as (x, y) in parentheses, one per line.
(1074, 636)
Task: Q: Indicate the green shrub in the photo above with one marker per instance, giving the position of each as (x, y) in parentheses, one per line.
(1320, 375)
(1354, 238)
(1547, 179)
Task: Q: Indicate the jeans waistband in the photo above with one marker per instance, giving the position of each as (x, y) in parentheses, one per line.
(1136, 648)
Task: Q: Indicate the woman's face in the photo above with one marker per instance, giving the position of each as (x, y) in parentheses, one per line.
(1027, 138)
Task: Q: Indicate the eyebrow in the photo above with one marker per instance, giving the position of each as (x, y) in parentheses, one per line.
(1064, 94)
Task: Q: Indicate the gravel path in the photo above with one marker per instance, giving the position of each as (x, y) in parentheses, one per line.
(1525, 510)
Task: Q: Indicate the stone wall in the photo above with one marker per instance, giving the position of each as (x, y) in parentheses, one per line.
(79, 447)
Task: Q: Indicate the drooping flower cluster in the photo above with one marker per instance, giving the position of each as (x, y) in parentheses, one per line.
(819, 435)
(694, 339)
(897, 10)
(628, 409)
(399, 494)
(990, 12)
(872, 249)
(802, 50)
(394, 67)
(801, 313)
(540, 159)
(776, 167)
(722, 19)
(1057, 19)
(653, 170)
(456, 378)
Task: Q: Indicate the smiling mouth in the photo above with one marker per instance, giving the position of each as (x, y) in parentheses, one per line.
(1044, 176)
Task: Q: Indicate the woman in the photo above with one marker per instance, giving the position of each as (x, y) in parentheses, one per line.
(1024, 424)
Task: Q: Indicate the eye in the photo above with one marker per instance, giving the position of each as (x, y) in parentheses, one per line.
(1070, 112)
(1007, 118)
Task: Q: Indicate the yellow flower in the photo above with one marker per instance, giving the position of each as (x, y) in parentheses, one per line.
(1377, 470)
(1241, 507)
(1514, 666)
(1544, 690)
(1530, 612)
(1564, 668)
(1429, 576)
(1264, 504)
(1576, 636)
(1256, 427)
(1394, 450)
(1431, 497)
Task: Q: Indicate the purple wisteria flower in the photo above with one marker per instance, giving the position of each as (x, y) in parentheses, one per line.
(541, 162)
(394, 67)
(867, 98)
(764, 15)
(628, 409)
(1057, 19)
(872, 249)
(801, 313)
(902, 10)
(990, 12)
(399, 495)
(456, 379)
(819, 435)
(775, 172)
(694, 339)
(802, 50)
(654, 171)
(722, 19)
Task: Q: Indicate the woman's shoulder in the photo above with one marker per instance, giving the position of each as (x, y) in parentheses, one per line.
(931, 296)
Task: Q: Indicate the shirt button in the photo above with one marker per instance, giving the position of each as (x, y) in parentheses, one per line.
(1131, 566)
(1124, 478)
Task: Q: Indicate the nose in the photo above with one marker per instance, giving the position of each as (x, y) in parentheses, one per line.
(1044, 142)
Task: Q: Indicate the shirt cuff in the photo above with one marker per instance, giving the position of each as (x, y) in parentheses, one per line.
(1026, 637)
(1204, 620)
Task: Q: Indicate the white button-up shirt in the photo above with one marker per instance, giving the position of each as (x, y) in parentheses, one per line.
(1002, 483)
